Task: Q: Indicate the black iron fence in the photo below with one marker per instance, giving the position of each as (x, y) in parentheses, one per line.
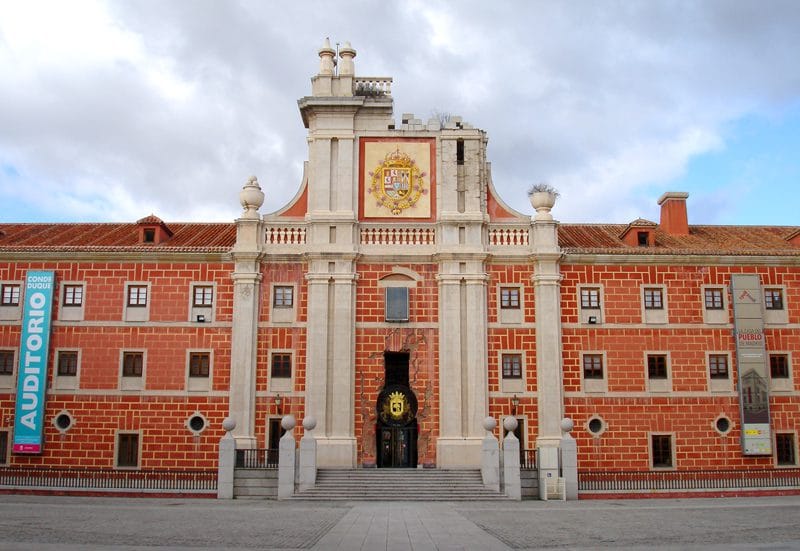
(527, 460)
(257, 459)
(196, 481)
(721, 479)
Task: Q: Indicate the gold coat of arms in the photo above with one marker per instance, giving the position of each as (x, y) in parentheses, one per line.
(397, 183)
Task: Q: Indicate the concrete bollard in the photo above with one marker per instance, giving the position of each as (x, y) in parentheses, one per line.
(227, 461)
(490, 456)
(308, 456)
(287, 459)
(512, 485)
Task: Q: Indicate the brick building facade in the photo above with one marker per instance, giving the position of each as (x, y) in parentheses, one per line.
(399, 301)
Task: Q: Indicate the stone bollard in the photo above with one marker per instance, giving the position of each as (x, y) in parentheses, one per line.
(308, 456)
(490, 456)
(286, 458)
(511, 472)
(569, 460)
(227, 460)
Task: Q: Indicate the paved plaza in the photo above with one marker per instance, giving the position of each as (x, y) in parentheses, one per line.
(72, 523)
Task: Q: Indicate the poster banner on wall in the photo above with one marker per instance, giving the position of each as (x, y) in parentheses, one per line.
(32, 373)
(748, 322)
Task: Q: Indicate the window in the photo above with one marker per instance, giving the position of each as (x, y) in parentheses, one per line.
(661, 450)
(592, 366)
(590, 297)
(653, 299)
(509, 297)
(718, 366)
(9, 294)
(128, 449)
(283, 296)
(713, 299)
(282, 365)
(657, 366)
(132, 364)
(773, 299)
(149, 235)
(137, 295)
(203, 296)
(6, 362)
(512, 366)
(642, 238)
(784, 448)
(779, 366)
(3, 447)
(73, 295)
(199, 364)
(396, 303)
(67, 363)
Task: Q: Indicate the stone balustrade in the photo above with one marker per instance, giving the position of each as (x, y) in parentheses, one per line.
(509, 235)
(398, 235)
(285, 235)
(372, 86)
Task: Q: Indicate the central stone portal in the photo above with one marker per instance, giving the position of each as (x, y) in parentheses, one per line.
(396, 430)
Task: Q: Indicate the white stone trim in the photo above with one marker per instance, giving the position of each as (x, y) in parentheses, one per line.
(136, 313)
(66, 382)
(594, 386)
(9, 382)
(654, 316)
(54, 420)
(13, 313)
(775, 434)
(781, 385)
(673, 454)
(716, 386)
(199, 384)
(512, 386)
(280, 384)
(731, 424)
(208, 312)
(71, 313)
(715, 317)
(132, 383)
(140, 442)
(603, 425)
(282, 315)
(658, 385)
(510, 315)
(776, 317)
(585, 313)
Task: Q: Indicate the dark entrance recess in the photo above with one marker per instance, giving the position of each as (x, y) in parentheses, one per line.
(396, 429)
(274, 433)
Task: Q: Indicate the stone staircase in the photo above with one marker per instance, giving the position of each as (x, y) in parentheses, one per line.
(398, 485)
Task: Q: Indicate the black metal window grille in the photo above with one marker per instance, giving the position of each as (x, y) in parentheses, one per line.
(203, 296)
(773, 299)
(67, 363)
(128, 450)
(132, 364)
(199, 364)
(6, 362)
(283, 296)
(281, 366)
(784, 448)
(10, 295)
(509, 298)
(718, 366)
(779, 366)
(653, 299)
(592, 366)
(713, 299)
(512, 366)
(661, 445)
(73, 295)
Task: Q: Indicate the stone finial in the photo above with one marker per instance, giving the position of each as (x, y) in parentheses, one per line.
(510, 424)
(309, 423)
(567, 424)
(489, 424)
(326, 54)
(346, 55)
(251, 197)
(228, 424)
(288, 422)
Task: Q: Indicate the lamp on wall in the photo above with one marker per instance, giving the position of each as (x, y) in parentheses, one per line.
(278, 403)
(592, 319)
(201, 318)
(514, 404)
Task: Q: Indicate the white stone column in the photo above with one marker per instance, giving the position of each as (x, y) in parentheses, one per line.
(450, 392)
(477, 397)
(317, 352)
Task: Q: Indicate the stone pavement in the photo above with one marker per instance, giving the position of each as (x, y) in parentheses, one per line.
(73, 523)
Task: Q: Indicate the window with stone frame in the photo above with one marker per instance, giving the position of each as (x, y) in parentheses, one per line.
(67, 362)
(132, 364)
(202, 296)
(73, 296)
(281, 365)
(592, 366)
(661, 451)
(137, 296)
(657, 366)
(128, 449)
(509, 298)
(773, 299)
(714, 298)
(512, 366)
(784, 449)
(590, 298)
(6, 362)
(4, 447)
(718, 366)
(396, 303)
(779, 366)
(653, 298)
(199, 364)
(282, 296)
(9, 294)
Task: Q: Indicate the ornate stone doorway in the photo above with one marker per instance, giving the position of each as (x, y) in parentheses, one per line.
(396, 430)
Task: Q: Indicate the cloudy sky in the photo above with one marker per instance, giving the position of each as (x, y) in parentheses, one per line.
(110, 111)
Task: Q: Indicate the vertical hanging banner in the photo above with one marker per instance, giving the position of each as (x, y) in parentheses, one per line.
(33, 350)
(748, 323)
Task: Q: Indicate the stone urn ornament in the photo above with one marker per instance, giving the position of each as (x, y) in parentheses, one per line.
(543, 198)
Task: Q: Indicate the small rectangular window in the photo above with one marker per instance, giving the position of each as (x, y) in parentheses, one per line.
(283, 296)
(281, 366)
(590, 298)
(6, 362)
(713, 299)
(718, 366)
(396, 304)
(653, 299)
(784, 448)
(512, 366)
(149, 235)
(460, 152)
(3, 447)
(199, 364)
(509, 298)
(9, 294)
(661, 449)
(127, 450)
(132, 364)
(73, 295)
(137, 295)
(779, 366)
(773, 299)
(592, 366)
(67, 363)
(657, 366)
(203, 296)
(643, 238)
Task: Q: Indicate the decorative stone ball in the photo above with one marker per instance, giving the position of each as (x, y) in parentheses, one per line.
(489, 424)
(251, 196)
(288, 422)
(228, 424)
(510, 424)
(309, 422)
(567, 424)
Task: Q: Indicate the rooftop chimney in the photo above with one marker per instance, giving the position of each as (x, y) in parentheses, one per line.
(673, 213)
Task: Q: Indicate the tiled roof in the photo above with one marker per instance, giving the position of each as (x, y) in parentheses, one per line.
(702, 240)
(186, 237)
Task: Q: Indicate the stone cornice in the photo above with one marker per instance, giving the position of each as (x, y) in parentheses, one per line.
(116, 256)
(680, 260)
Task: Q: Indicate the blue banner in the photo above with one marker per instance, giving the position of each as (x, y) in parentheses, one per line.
(33, 350)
